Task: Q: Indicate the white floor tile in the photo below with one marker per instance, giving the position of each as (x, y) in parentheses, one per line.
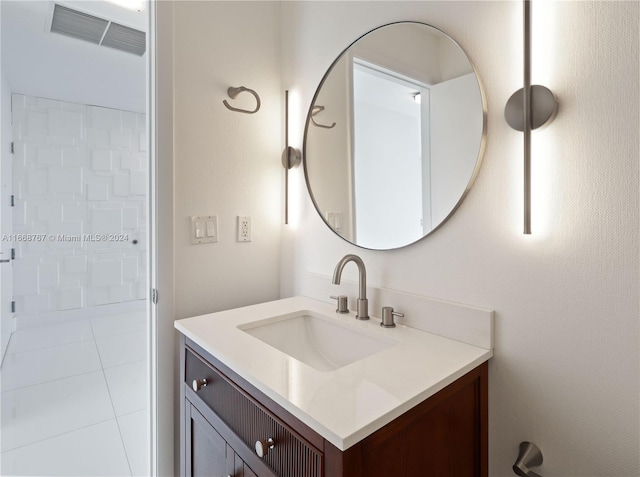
(128, 387)
(122, 349)
(48, 364)
(38, 412)
(96, 450)
(57, 410)
(119, 324)
(27, 339)
(135, 433)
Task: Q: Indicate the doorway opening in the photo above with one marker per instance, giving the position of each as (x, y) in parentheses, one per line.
(391, 146)
(75, 227)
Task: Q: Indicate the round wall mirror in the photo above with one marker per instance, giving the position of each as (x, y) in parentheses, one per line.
(394, 136)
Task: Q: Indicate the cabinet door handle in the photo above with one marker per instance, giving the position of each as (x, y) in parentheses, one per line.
(198, 384)
(262, 447)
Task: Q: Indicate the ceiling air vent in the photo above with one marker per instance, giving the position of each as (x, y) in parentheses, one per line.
(77, 24)
(100, 31)
(125, 39)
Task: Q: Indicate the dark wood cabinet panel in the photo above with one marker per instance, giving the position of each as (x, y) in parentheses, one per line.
(445, 435)
(241, 469)
(291, 456)
(438, 439)
(206, 450)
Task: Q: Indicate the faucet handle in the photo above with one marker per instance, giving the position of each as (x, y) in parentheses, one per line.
(342, 304)
(387, 317)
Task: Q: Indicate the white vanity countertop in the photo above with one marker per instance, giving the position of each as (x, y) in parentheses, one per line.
(347, 404)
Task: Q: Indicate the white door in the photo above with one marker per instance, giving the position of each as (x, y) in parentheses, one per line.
(389, 157)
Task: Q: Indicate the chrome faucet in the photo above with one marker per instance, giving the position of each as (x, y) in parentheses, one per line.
(363, 303)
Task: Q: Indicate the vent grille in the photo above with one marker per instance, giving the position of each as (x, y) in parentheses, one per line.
(99, 31)
(125, 39)
(77, 24)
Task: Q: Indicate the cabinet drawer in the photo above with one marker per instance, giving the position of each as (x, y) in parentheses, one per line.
(291, 456)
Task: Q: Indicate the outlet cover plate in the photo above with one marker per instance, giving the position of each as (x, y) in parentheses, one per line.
(244, 228)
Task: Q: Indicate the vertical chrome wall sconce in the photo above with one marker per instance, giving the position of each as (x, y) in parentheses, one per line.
(529, 108)
(291, 157)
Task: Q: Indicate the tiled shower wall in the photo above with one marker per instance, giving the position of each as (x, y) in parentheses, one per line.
(79, 180)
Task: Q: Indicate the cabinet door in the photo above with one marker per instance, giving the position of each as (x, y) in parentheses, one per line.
(206, 452)
(248, 472)
(441, 440)
(241, 469)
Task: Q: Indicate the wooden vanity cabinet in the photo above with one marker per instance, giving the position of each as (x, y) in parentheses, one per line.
(210, 453)
(445, 435)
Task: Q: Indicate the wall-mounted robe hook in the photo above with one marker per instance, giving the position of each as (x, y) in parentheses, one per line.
(233, 92)
(315, 110)
(529, 456)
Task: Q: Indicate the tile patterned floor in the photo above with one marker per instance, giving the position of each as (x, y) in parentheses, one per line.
(73, 399)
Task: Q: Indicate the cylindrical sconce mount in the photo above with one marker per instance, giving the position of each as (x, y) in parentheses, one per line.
(544, 107)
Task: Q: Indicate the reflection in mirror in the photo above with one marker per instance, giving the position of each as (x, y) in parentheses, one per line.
(388, 151)
(408, 138)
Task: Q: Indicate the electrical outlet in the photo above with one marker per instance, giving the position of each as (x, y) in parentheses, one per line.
(244, 228)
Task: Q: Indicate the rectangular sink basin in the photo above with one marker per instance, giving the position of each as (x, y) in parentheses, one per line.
(322, 343)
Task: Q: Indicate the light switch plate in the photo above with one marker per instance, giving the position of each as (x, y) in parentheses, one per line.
(204, 229)
(334, 219)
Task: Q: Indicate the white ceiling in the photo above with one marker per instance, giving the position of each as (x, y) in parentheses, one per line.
(39, 63)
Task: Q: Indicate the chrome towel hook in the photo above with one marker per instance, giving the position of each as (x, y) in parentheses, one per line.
(315, 110)
(233, 92)
(529, 456)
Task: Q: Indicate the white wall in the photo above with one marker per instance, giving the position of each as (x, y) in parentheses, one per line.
(456, 132)
(566, 365)
(6, 284)
(227, 163)
(80, 183)
(388, 161)
(75, 70)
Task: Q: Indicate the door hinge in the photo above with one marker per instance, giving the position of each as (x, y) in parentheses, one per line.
(13, 307)
(13, 254)
(13, 201)
(13, 148)
(154, 296)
